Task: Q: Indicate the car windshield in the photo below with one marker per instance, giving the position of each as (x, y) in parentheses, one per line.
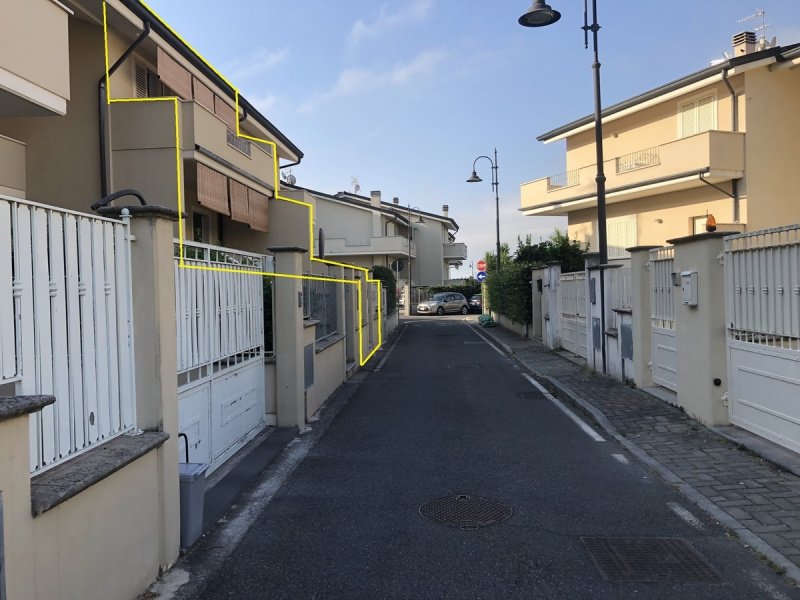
(438, 297)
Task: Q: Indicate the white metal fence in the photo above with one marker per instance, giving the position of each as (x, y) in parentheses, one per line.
(66, 325)
(219, 306)
(619, 282)
(763, 275)
(662, 301)
(321, 302)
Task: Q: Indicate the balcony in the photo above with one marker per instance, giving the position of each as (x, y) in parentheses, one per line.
(393, 245)
(455, 254)
(12, 167)
(677, 165)
(34, 58)
(208, 139)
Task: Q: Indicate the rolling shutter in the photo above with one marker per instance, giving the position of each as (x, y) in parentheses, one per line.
(203, 94)
(225, 112)
(259, 217)
(174, 76)
(240, 210)
(212, 189)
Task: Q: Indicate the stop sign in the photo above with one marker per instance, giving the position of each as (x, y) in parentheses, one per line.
(481, 265)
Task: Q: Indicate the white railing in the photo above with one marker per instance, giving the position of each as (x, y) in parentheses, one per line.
(219, 306)
(662, 304)
(762, 272)
(619, 282)
(66, 325)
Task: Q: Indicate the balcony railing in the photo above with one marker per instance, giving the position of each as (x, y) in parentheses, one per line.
(563, 180)
(718, 154)
(455, 251)
(641, 159)
(393, 245)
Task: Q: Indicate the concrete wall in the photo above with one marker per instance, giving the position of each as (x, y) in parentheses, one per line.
(329, 374)
(773, 128)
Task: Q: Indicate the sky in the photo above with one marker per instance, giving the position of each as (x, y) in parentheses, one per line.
(405, 94)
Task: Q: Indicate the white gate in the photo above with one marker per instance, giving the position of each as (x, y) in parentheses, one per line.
(662, 306)
(572, 302)
(66, 325)
(221, 375)
(762, 293)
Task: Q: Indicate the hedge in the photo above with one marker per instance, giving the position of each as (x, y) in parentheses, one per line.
(509, 292)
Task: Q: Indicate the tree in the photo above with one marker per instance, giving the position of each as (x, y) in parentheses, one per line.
(491, 257)
(386, 275)
(557, 248)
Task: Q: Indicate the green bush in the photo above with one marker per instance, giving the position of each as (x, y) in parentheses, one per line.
(509, 292)
(386, 276)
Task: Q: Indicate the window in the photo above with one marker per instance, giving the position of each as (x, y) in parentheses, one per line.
(621, 234)
(200, 231)
(148, 85)
(697, 116)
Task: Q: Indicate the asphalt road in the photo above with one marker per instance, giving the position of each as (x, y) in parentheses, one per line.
(447, 415)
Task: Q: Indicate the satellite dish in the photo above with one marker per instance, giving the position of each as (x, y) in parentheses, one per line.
(291, 179)
(356, 186)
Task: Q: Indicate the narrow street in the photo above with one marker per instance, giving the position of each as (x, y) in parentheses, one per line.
(447, 414)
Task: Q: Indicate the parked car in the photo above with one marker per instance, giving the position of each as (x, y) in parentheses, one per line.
(476, 303)
(444, 302)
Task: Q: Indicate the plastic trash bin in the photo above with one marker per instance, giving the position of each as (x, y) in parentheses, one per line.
(193, 489)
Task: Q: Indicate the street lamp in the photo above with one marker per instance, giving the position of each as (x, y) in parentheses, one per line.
(495, 184)
(420, 221)
(540, 15)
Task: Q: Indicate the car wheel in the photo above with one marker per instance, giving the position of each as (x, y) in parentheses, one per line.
(440, 311)
(464, 310)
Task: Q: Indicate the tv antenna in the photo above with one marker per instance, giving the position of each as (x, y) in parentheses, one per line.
(288, 177)
(761, 16)
(354, 183)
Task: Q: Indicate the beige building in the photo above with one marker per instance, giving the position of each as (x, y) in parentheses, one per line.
(366, 232)
(719, 141)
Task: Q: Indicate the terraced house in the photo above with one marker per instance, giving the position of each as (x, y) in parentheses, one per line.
(148, 252)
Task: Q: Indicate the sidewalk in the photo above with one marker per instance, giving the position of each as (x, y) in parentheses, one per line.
(753, 498)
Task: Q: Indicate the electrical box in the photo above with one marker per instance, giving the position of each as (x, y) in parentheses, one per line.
(689, 287)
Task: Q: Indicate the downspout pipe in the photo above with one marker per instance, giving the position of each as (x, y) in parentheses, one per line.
(103, 107)
(735, 128)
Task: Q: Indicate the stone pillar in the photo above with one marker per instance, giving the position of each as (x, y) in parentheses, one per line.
(642, 325)
(537, 318)
(407, 303)
(289, 360)
(350, 328)
(156, 354)
(700, 330)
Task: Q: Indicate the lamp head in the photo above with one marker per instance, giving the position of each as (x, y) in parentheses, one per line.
(420, 220)
(474, 178)
(539, 15)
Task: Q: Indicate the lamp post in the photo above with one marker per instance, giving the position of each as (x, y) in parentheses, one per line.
(540, 15)
(419, 220)
(495, 184)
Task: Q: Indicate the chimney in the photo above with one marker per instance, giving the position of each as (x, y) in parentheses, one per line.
(396, 200)
(375, 198)
(445, 210)
(744, 43)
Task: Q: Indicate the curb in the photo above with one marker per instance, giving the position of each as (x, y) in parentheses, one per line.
(748, 537)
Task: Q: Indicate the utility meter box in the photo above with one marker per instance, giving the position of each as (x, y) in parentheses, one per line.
(689, 287)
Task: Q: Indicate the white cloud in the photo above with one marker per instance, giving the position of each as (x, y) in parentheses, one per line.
(262, 61)
(414, 12)
(353, 81)
(264, 103)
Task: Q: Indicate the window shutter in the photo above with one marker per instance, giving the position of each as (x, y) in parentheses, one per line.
(203, 95)
(212, 189)
(688, 120)
(225, 112)
(621, 234)
(705, 114)
(259, 217)
(174, 76)
(140, 78)
(239, 202)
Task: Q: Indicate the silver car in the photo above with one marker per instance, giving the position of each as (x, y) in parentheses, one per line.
(444, 302)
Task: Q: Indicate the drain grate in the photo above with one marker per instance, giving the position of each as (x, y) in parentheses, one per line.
(466, 512)
(660, 560)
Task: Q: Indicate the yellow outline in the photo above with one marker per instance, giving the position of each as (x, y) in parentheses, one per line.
(273, 145)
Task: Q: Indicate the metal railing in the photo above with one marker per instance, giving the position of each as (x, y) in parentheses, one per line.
(620, 284)
(641, 159)
(66, 325)
(563, 180)
(321, 303)
(762, 275)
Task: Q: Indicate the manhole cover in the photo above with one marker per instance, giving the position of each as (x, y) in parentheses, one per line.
(660, 560)
(467, 512)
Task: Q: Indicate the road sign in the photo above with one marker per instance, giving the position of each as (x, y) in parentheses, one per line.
(481, 276)
(481, 265)
(398, 266)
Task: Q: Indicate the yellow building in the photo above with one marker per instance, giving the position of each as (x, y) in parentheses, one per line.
(720, 141)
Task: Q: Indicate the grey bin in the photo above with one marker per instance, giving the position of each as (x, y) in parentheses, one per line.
(193, 489)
